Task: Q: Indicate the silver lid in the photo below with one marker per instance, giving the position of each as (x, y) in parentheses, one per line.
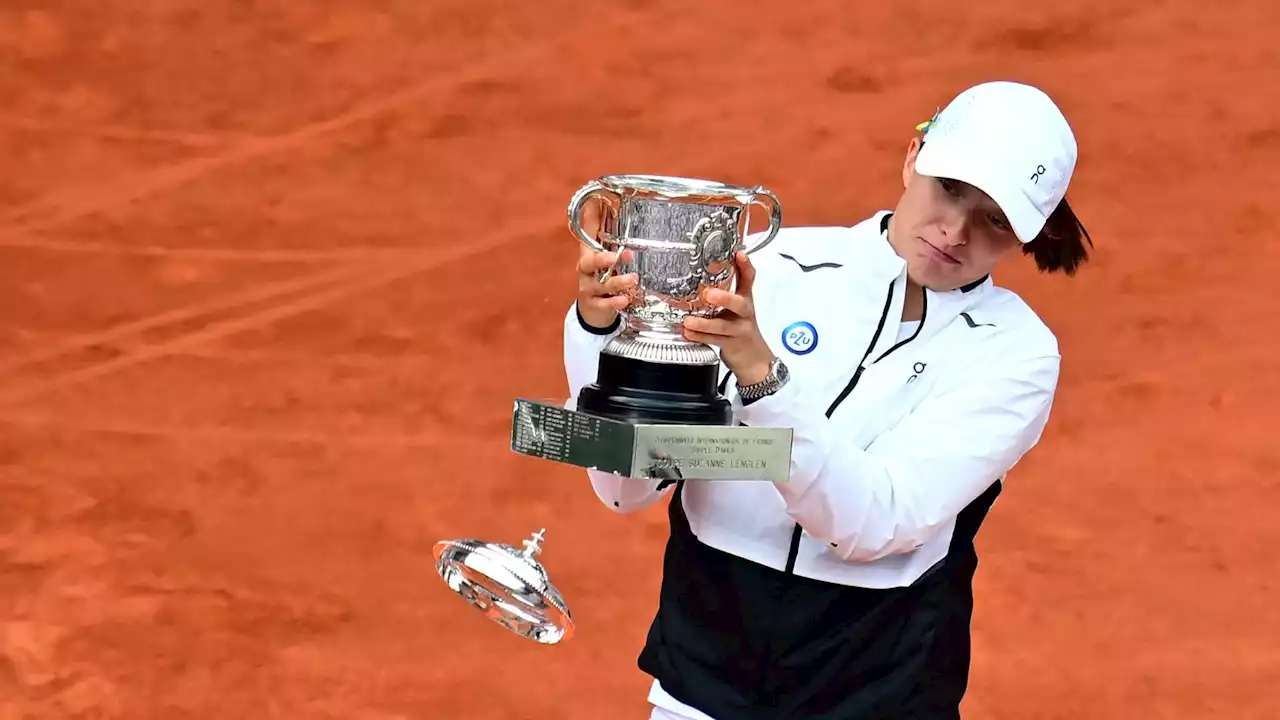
(508, 585)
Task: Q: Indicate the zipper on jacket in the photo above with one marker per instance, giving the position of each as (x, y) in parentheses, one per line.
(924, 313)
(797, 531)
(848, 388)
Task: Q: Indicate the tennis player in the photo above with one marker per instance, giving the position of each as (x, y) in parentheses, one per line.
(913, 384)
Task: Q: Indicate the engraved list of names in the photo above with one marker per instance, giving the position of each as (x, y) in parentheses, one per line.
(555, 433)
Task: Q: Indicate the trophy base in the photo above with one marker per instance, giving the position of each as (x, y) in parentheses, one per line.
(652, 393)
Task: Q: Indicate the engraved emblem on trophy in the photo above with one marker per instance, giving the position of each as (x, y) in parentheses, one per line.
(682, 234)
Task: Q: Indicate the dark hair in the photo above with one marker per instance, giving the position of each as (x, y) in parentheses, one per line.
(1060, 246)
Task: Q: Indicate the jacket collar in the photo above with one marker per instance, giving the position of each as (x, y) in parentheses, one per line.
(872, 248)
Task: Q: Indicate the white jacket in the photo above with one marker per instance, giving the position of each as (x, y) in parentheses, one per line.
(935, 417)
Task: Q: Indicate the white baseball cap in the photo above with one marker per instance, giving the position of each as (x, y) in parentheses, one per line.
(1008, 140)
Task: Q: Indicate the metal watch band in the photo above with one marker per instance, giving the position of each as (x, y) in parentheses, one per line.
(768, 386)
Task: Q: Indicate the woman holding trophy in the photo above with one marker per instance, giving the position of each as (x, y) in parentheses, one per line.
(912, 384)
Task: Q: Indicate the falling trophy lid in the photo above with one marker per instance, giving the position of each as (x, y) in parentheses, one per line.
(507, 584)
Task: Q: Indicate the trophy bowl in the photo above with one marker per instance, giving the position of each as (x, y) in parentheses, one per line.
(508, 585)
(682, 234)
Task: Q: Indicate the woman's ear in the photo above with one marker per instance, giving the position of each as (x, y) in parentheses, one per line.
(909, 164)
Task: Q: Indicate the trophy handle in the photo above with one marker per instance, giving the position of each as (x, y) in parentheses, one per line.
(587, 192)
(767, 200)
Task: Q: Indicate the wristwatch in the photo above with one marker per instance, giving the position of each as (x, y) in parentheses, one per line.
(772, 383)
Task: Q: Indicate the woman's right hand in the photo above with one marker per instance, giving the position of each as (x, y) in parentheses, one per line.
(599, 302)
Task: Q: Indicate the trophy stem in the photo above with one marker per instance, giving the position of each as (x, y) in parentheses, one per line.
(660, 348)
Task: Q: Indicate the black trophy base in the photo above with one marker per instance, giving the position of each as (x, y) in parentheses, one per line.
(649, 393)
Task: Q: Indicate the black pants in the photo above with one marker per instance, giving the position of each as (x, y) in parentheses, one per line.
(741, 641)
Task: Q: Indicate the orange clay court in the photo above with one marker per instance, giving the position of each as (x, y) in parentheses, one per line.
(271, 275)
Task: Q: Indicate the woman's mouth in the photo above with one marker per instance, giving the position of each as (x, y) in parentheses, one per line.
(939, 253)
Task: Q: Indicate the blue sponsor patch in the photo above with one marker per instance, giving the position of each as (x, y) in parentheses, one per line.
(801, 338)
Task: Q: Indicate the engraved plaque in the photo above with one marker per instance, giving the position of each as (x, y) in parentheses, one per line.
(702, 452)
(691, 452)
(552, 432)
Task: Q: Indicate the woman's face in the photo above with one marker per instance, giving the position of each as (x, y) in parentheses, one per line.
(950, 233)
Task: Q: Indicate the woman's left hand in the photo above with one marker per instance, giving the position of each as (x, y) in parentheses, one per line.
(742, 346)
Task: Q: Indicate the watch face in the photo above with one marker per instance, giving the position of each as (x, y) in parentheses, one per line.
(783, 373)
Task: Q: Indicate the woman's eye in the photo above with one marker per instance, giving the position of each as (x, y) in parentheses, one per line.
(950, 186)
(998, 222)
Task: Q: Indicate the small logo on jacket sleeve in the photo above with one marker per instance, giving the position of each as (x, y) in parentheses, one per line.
(800, 338)
(968, 319)
(916, 371)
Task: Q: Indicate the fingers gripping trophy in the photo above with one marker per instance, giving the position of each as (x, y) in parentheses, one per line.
(654, 410)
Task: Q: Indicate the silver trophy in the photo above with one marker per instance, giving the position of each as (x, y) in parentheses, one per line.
(508, 585)
(683, 234)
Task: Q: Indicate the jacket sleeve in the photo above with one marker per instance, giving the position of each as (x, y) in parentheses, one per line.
(582, 346)
(901, 490)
